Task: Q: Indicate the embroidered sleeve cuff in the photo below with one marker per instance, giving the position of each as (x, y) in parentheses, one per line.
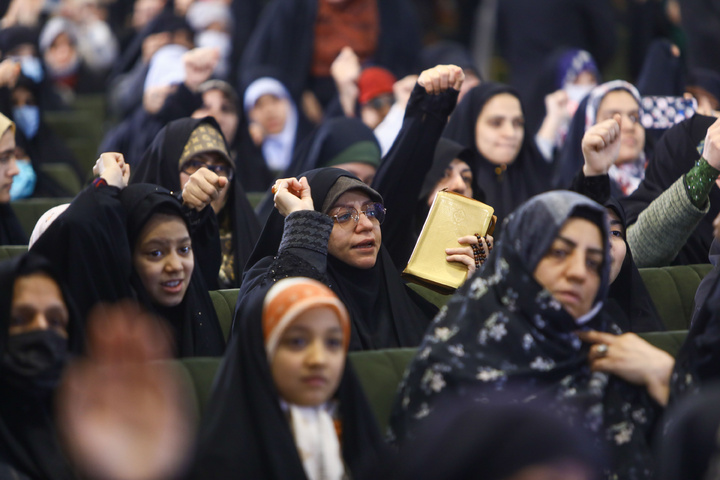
(699, 181)
(306, 229)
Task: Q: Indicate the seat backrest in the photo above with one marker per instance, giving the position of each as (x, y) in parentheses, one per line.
(29, 210)
(673, 292)
(224, 302)
(9, 251)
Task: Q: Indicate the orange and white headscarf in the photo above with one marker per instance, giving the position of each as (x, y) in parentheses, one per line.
(290, 297)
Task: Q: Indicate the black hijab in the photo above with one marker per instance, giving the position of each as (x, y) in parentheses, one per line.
(245, 433)
(29, 444)
(629, 303)
(160, 165)
(194, 321)
(503, 332)
(384, 312)
(92, 244)
(528, 175)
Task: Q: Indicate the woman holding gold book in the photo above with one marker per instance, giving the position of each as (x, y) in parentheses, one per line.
(327, 226)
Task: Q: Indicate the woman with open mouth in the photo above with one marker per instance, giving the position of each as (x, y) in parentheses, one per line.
(116, 241)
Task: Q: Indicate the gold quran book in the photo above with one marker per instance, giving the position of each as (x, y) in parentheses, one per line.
(451, 216)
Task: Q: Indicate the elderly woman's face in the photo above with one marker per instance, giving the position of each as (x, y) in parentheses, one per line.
(500, 129)
(38, 304)
(632, 134)
(571, 268)
(356, 244)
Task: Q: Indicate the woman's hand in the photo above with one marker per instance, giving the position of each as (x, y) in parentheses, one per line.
(112, 167)
(438, 79)
(292, 195)
(473, 255)
(202, 188)
(632, 359)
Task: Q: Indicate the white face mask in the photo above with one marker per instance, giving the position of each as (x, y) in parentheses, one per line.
(577, 92)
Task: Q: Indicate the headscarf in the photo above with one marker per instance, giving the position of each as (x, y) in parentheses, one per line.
(277, 148)
(502, 332)
(624, 178)
(92, 245)
(528, 175)
(28, 439)
(246, 433)
(160, 166)
(384, 311)
(194, 321)
(629, 303)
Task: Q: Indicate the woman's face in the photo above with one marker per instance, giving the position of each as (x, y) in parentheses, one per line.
(310, 358)
(163, 259)
(211, 159)
(217, 105)
(356, 244)
(61, 54)
(571, 268)
(618, 247)
(270, 112)
(38, 304)
(499, 129)
(457, 178)
(632, 134)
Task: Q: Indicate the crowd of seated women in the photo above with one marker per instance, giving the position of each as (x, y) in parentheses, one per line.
(533, 369)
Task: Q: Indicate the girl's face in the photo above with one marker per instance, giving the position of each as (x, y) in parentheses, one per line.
(271, 113)
(310, 358)
(500, 129)
(163, 259)
(632, 134)
(571, 268)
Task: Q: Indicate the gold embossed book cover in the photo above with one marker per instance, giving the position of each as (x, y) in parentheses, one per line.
(451, 216)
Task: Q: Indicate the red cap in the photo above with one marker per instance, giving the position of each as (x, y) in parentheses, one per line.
(374, 81)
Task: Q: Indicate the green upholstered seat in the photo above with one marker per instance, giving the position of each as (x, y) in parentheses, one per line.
(29, 210)
(9, 251)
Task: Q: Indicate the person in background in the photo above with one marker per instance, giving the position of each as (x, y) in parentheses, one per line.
(11, 232)
(40, 330)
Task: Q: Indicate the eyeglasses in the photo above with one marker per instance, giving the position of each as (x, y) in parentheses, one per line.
(375, 212)
(192, 166)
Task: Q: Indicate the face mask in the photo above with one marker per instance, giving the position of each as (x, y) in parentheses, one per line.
(219, 40)
(33, 361)
(577, 92)
(32, 68)
(24, 182)
(27, 119)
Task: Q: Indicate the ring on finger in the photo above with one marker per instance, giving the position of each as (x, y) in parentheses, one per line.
(602, 350)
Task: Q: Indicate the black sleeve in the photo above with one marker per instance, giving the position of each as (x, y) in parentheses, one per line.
(596, 187)
(205, 234)
(179, 104)
(89, 246)
(402, 171)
